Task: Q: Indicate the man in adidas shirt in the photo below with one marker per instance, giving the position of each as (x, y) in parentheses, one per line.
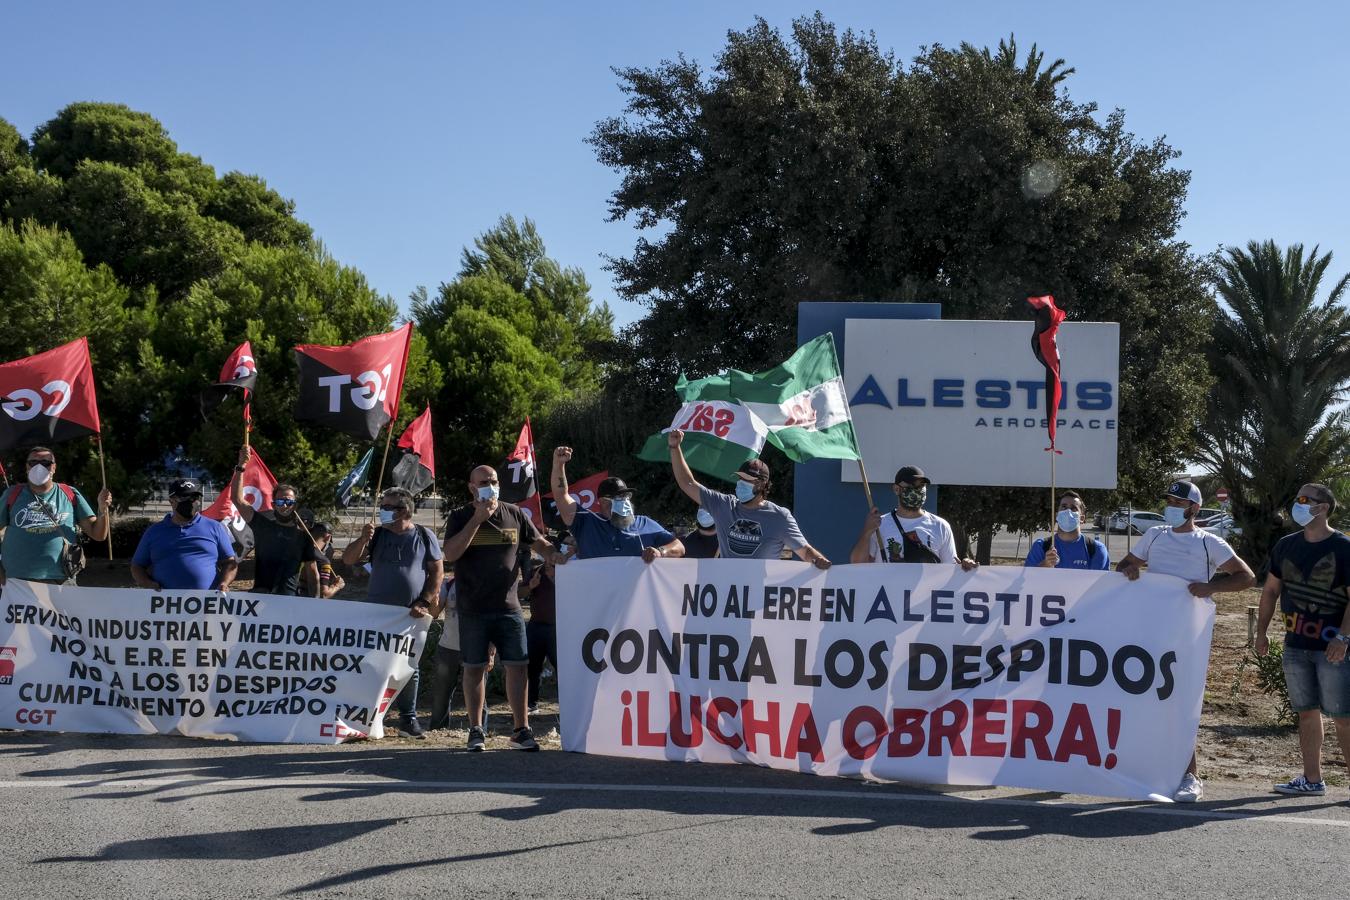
(910, 533)
(1203, 560)
(1070, 548)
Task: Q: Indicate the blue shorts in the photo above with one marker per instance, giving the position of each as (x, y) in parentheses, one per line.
(1316, 683)
(505, 631)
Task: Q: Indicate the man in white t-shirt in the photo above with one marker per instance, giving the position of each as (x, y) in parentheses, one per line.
(910, 533)
(1203, 560)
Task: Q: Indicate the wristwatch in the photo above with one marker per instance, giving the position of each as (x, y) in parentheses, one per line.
(1343, 638)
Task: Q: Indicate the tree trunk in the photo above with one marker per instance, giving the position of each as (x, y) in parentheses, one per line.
(984, 545)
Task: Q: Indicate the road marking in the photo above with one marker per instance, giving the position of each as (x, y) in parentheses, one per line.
(1271, 816)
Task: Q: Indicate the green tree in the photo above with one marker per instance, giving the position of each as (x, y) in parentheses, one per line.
(821, 167)
(1275, 418)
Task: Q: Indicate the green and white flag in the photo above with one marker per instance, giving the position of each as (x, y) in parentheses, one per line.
(802, 402)
(719, 434)
(354, 480)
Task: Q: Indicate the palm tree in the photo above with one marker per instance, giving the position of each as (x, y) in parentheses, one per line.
(1281, 361)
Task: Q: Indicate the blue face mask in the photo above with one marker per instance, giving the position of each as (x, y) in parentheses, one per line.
(488, 492)
(622, 507)
(386, 517)
(1175, 516)
(745, 491)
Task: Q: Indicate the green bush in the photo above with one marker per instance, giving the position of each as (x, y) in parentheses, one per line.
(1269, 680)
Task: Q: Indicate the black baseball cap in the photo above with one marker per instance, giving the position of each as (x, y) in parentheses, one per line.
(1184, 490)
(614, 486)
(185, 487)
(754, 470)
(910, 474)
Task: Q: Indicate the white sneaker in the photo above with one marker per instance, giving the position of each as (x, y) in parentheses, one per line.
(1190, 790)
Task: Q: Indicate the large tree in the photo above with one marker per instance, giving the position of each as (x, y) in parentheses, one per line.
(819, 167)
(1281, 356)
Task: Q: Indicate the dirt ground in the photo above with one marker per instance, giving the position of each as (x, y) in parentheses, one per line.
(1239, 738)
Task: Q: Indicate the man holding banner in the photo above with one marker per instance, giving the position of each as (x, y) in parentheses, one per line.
(283, 548)
(611, 527)
(185, 550)
(38, 521)
(910, 533)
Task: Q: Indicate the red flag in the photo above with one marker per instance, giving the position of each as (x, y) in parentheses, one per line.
(259, 483)
(48, 397)
(583, 491)
(517, 473)
(416, 471)
(354, 388)
(240, 372)
(1046, 348)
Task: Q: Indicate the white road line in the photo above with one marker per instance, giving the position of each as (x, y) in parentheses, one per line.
(1265, 816)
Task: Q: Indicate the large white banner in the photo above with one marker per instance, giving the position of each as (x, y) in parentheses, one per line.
(251, 667)
(1050, 679)
(965, 401)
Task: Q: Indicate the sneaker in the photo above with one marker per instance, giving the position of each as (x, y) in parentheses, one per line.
(523, 739)
(476, 739)
(533, 708)
(1190, 790)
(1302, 786)
(411, 728)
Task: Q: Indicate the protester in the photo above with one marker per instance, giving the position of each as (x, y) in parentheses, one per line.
(405, 570)
(910, 533)
(38, 522)
(447, 660)
(610, 527)
(1069, 548)
(185, 551)
(748, 525)
(283, 549)
(1203, 560)
(1310, 574)
(701, 543)
(541, 632)
(483, 539)
(329, 581)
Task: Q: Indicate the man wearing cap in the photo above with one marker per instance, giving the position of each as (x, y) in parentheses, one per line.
(909, 534)
(701, 543)
(1203, 560)
(610, 527)
(748, 525)
(40, 517)
(185, 551)
(283, 548)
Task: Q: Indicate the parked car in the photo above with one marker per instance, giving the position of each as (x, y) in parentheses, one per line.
(1103, 519)
(1223, 527)
(1139, 522)
(1206, 517)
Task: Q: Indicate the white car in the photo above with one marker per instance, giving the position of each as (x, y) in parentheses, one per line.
(1222, 527)
(1139, 522)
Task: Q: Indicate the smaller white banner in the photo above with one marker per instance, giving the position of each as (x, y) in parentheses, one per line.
(252, 667)
(731, 422)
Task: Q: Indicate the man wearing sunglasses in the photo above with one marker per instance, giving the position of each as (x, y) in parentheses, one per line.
(283, 549)
(38, 519)
(1310, 574)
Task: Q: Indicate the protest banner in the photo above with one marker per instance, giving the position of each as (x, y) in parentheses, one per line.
(1048, 679)
(251, 667)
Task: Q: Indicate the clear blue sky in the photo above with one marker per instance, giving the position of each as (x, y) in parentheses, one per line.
(404, 130)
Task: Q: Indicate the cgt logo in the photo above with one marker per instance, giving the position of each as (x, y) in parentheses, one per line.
(986, 393)
(371, 390)
(24, 403)
(8, 655)
(339, 730)
(244, 368)
(35, 716)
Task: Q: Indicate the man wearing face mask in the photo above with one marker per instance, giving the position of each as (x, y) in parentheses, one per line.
(1310, 576)
(185, 551)
(38, 520)
(748, 525)
(611, 527)
(484, 539)
(1069, 548)
(910, 534)
(1203, 560)
(701, 543)
(282, 547)
(405, 570)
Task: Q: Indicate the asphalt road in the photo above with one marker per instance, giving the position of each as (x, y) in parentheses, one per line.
(117, 817)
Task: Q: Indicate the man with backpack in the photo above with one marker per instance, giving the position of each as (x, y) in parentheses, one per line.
(1068, 547)
(910, 534)
(41, 522)
(406, 570)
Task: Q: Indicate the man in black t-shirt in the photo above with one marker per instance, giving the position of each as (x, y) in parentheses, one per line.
(283, 550)
(1310, 574)
(483, 540)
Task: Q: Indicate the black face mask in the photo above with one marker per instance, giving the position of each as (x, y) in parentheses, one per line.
(187, 508)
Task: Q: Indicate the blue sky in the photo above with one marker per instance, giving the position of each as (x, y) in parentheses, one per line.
(404, 130)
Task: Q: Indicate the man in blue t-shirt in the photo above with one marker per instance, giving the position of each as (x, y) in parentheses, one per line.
(1070, 548)
(185, 551)
(38, 519)
(610, 527)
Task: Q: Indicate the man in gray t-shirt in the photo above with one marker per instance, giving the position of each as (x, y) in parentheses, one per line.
(748, 525)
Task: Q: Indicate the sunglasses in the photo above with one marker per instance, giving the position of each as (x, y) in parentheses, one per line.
(46, 461)
(388, 508)
(283, 502)
(1310, 501)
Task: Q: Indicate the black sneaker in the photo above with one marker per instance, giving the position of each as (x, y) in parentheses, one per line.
(523, 739)
(411, 728)
(476, 739)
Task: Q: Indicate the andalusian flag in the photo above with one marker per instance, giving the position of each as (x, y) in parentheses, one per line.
(719, 434)
(802, 402)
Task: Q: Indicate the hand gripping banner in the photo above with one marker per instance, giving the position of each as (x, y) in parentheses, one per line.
(1048, 679)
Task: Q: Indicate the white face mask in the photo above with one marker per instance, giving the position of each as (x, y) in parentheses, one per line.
(1302, 513)
(1067, 520)
(705, 519)
(1175, 515)
(39, 475)
(488, 492)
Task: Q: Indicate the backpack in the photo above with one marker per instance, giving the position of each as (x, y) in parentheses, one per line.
(12, 496)
(423, 533)
(1093, 546)
(72, 557)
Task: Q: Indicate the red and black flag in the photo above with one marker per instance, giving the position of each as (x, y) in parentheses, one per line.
(517, 476)
(48, 397)
(416, 471)
(259, 485)
(355, 388)
(583, 491)
(240, 373)
(1046, 348)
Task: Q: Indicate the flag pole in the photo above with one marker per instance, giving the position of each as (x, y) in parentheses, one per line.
(862, 470)
(103, 474)
(248, 419)
(379, 479)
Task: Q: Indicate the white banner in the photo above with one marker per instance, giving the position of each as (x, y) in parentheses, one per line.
(251, 667)
(965, 401)
(1049, 679)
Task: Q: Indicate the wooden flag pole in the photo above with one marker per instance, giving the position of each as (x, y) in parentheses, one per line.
(248, 420)
(1053, 504)
(379, 481)
(103, 474)
(867, 492)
